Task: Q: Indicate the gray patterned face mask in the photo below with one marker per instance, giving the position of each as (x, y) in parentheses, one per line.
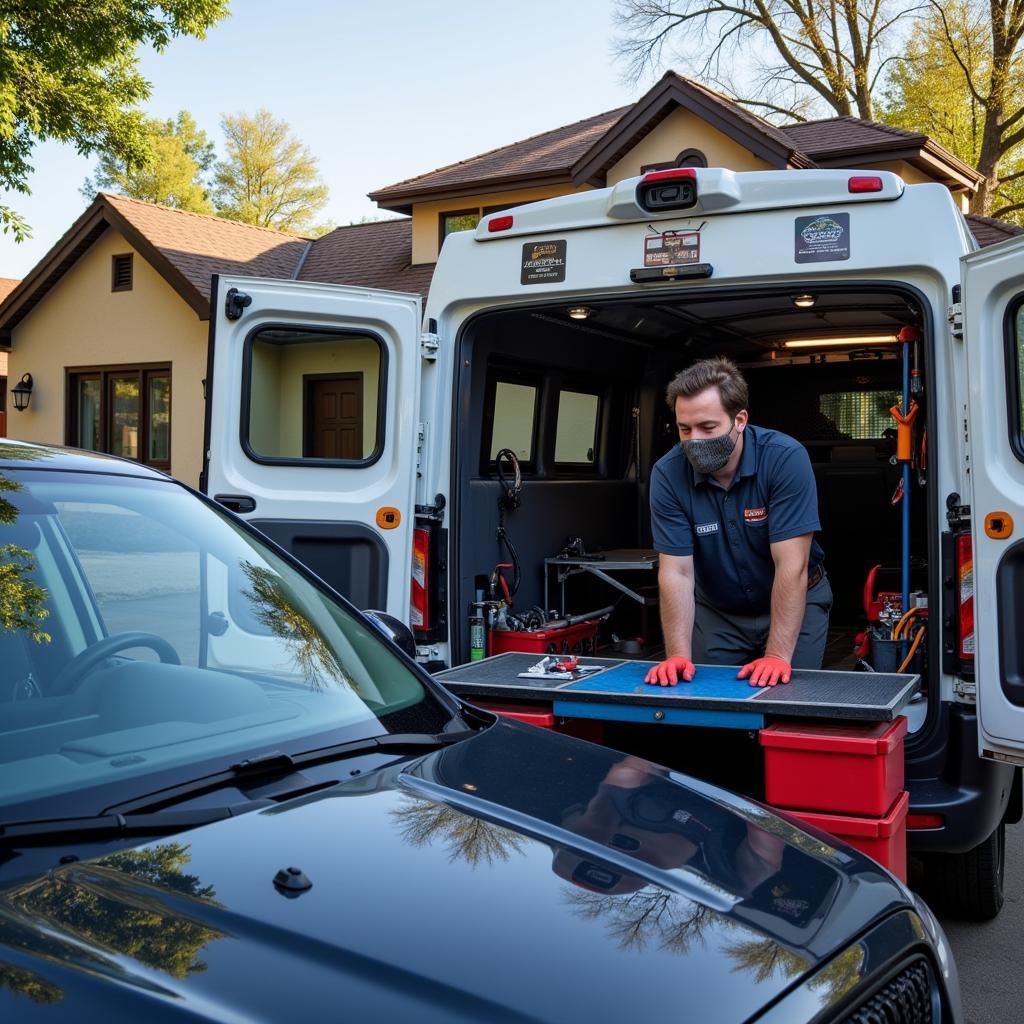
(708, 455)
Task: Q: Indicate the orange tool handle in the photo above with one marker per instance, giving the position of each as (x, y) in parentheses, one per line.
(904, 425)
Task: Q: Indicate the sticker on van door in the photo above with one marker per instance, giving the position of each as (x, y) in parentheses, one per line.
(543, 262)
(672, 249)
(823, 238)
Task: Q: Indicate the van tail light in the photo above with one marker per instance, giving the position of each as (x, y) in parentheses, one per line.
(965, 591)
(864, 183)
(500, 223)
(672, 189)
(419, 597)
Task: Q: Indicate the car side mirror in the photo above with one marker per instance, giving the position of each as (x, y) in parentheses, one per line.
(394, 629)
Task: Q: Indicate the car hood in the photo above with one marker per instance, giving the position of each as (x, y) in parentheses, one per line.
(515, 876)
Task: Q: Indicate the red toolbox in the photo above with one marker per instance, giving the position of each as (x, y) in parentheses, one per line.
(884, 839)
(835, 769)
(578, 639)
(533, 714)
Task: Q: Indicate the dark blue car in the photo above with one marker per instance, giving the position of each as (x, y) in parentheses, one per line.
(225, 796)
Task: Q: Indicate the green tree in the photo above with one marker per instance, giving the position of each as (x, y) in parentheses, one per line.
(69, 71)
(22, 602)
(180, 154)
(963, 84)
(269, 177)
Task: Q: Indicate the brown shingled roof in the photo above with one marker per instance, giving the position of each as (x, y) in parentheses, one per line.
(549, 154)
(374, 255)
(989, 230)
(7, 285)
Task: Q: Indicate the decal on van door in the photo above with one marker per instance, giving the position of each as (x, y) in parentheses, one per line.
(543, 262)
(672, 249)
(824, 238)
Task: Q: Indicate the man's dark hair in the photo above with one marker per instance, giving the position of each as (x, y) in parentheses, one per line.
(711, 373)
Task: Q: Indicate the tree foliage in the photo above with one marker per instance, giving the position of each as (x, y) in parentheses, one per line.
(180, 153)
(69, 72)
(963, 84)
(799, 53)
(269, 177)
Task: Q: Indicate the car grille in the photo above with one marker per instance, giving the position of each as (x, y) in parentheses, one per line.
(908, 998)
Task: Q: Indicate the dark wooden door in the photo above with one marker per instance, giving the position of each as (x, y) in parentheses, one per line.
(336, 425)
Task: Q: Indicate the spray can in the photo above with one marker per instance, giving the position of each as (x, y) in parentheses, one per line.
(477, 630)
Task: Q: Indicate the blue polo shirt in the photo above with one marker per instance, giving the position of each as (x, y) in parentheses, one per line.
(729, 532)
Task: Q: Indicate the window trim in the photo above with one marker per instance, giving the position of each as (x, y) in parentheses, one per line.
(1013, 347)
(441, 233)
(130, 257)
(104, 373)
(246, 397)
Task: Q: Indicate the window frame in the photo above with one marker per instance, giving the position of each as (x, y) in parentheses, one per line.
(1013, 347)
(245, 418)
(442, 234)
(503, 374)
(592, 468)
(105, 374)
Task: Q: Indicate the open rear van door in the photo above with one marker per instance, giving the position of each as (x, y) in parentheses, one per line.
(312, 396)
(993, 319)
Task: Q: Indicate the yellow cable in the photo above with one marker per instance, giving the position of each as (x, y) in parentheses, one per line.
(913, 648)
(905, 618)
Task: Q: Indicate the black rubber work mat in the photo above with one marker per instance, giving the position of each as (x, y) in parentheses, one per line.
(867, 696)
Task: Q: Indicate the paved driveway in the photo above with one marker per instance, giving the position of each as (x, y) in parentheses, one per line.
(989, 955)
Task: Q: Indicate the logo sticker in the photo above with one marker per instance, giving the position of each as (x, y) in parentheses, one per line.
(543, 262)
(703, 529)
(824, 238)
(672, 249)
(755, 515)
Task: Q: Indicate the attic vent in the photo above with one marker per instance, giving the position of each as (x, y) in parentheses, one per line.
(121, 274)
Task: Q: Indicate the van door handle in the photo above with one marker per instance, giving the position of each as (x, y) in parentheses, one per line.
(236, 502)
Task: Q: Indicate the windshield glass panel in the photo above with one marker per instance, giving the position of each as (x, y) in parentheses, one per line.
(142, 630)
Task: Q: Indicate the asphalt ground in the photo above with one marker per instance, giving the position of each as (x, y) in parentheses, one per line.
(989, 956)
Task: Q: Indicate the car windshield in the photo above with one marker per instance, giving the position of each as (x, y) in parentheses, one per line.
(142, 632)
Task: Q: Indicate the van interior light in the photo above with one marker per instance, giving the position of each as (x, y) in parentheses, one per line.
(579, 312)
(805, 300)
(861, 339)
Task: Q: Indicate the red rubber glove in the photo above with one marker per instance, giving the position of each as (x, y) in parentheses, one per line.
(670, 671)
(766, 671)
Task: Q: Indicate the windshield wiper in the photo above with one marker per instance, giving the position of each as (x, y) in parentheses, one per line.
(149, 816)
(279, 766)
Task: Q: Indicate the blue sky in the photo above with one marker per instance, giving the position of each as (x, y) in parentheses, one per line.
(378, 91)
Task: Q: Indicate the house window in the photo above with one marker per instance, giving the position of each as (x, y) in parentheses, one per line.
(457, 220)
(313, 394)
(121, 273)
(122, 410)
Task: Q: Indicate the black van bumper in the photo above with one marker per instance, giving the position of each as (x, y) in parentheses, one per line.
(948, 778)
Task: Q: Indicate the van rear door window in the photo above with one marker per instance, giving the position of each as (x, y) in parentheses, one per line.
(1015, 380)
(515, 413)
(314, 395)
(576, 429)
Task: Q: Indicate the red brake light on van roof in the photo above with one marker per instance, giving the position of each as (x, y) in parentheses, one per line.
(865, 183)
(671, 172)
(499, 223)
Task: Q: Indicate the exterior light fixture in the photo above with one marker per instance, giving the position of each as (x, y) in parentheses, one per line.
(22, 392)
(862, 339)
(579, 312)
(804, 300)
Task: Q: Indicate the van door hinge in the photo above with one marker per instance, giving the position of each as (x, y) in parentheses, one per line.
(429, 344)
(421, 440)
(434, 512)
(234, 302)
(957, 514)
(965, 689)
(955, 316)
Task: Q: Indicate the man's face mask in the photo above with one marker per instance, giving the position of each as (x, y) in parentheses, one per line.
(709, 454)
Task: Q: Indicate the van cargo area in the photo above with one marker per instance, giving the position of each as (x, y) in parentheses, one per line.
(578, 395)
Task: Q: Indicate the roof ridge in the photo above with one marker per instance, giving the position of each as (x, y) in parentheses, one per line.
(201, 216)
(507, 145)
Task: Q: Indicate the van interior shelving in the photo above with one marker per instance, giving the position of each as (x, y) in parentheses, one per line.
(580, 398)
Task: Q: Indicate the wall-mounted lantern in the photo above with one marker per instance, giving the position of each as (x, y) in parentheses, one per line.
(22, 392)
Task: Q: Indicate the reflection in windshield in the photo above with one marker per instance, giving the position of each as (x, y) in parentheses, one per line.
(22, 602)
(471, 839)
(275, 608)
(141, 927)
(26, 983)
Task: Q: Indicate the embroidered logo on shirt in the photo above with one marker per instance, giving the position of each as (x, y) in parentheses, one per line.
(755, 515)
(703, 529)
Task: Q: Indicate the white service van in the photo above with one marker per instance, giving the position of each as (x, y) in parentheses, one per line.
(364, 439)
